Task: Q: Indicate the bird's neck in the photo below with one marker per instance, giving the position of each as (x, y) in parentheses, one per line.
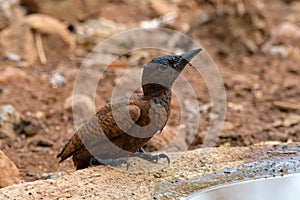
(157, 91)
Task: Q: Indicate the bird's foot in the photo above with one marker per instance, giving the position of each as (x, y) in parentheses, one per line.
(150, 157)
(110, 162)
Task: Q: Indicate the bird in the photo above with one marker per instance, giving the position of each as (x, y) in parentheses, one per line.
(123, 126)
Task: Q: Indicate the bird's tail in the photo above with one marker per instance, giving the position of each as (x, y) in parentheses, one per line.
(73, 145)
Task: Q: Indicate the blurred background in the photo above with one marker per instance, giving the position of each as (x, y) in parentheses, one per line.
(255, 45)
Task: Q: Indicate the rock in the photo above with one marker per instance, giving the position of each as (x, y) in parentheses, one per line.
(161, 140)
(78, 99)
(288, 121)
(278, 51)
(10, 12)
(235, 107)
(286, 105)
(12, 124)
(161, 7)
(39, 114)
(27, 38)
(8, 119)
(284, 33)
(291, 120)
(228, 126)
(195, 170)
(48, 25)
(64, 9)
(57, 80)
(27, 128)
(52, 175)
(249, 16)
(11, 74)
(166, 19)
(13, 57)
(9, 172)
(171, 139)
(93, 31)
(82, 106)
(205, 108)
(42, 142)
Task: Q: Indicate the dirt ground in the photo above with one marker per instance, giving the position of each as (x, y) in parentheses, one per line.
(262, 84)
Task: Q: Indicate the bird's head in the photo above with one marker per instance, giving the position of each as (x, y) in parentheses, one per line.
(161, 72)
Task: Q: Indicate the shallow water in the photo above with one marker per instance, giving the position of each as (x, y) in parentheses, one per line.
(255, 171)
(278, 188)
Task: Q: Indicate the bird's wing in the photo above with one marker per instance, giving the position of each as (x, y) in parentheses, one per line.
(102, 127)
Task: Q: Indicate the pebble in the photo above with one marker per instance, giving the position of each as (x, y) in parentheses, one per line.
(39, 114)
(157, 175)
(77, 100)
(278, 51)
(27, 128)
(52, 175)
(57, 80)
(229, 170)
(205, 108)
(12, 124)
(159, 22)
(236, 107)
(13, 57)
(44, 143)
(8, 119)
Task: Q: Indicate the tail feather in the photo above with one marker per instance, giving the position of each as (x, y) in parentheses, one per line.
(73, 145)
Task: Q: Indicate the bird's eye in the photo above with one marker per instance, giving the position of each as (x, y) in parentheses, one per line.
(163, 67)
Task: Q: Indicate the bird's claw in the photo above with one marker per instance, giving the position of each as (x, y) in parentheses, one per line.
(163, 155)
(152, 158)
(118, 162)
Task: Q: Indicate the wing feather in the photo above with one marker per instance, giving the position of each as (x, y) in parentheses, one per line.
(101, 127)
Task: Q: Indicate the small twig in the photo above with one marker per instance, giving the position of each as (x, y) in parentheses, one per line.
(39, 47)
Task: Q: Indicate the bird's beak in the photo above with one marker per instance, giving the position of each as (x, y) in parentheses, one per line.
(190, 54)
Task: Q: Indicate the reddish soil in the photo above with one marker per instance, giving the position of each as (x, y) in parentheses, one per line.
(255, 82)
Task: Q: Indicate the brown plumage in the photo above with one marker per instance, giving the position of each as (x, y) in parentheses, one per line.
(123, 126)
